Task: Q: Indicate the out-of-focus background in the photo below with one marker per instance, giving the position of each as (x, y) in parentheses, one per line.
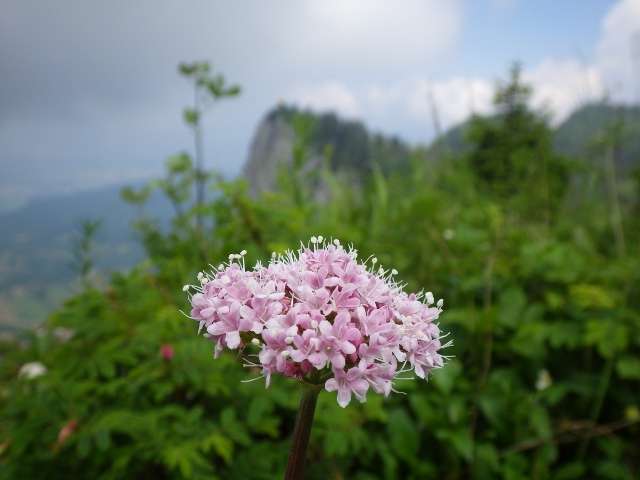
(489, 151)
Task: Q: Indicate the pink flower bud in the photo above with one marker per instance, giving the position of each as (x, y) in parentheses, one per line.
(166, 351)
(65, 432)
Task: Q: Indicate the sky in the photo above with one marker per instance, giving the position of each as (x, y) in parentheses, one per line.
(90, 94)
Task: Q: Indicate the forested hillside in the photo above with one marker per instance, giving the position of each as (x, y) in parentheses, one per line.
(577, 136)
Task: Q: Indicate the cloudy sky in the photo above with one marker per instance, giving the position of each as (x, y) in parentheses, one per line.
(90, 95)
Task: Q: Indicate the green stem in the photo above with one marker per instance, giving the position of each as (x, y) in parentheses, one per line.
(597, 408)
(301, 432)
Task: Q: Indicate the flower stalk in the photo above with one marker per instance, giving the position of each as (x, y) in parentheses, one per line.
(301, 432)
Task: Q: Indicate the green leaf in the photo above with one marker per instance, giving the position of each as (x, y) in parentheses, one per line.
(540, 422)
(336, 443)
(487, 454)
(191, 116)
(103, 440)
(234, 428)
(570, 471)
(445, 378)
(591, 296)
(511, 306)
(403, 435)
(220, 444)
(608, 335)
(463, 443)
(628, 367)
(180, 163)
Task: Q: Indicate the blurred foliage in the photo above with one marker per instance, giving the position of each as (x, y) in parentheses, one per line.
(543, 308)
(84, 249)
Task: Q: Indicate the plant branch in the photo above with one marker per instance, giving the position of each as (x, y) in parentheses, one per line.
(605, 380)
(573, 432)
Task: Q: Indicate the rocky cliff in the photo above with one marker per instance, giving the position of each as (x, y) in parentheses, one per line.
(347, 145)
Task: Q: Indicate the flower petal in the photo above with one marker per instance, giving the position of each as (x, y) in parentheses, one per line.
(344, 397)
(232, 339)
(331, 385)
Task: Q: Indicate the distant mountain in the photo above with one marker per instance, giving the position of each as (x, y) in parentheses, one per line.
(575, 136)
(37, 244)
(352, 147)
(578, 133)
(453, 141)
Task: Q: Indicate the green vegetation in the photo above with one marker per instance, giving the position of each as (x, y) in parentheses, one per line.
(542, 300)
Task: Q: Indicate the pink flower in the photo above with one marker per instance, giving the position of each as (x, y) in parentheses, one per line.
(231, 324)
(352, 381)
(166, 351)
(65, 432)
(336, 341)
(319, 314)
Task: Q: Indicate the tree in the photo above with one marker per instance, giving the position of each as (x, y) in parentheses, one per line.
(208, 88)
(513, 150)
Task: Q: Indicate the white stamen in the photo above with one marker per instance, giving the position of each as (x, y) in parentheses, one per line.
(440, 303)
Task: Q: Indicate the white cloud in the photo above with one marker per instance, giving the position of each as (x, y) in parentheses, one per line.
(454, 99)
(362, 34)
(561, 85)
(620, 30)
(405, 104)
(327, 96)
(564, 84)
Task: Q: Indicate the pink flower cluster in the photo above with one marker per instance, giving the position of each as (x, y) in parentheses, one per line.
(320, 316)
